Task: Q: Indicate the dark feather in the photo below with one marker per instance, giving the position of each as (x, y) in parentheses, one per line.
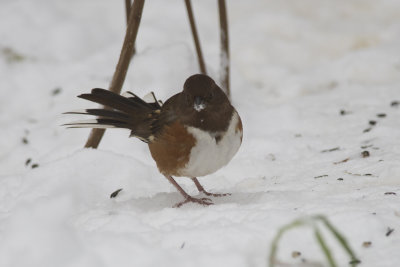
(154, 105)
(102, 113)
(104, 122)
(115, 101)
(129, 112)
(137, 99)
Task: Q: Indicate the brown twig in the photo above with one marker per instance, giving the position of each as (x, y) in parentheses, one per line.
(128, 6)
(135, 15)
(195, 37)
(127, 9)
(224, 56)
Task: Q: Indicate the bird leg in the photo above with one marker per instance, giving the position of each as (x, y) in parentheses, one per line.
(201, 189)
(188, 198)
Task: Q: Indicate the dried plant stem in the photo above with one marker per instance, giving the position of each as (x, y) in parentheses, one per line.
(128, 6)
(200, 58)
(118, 79)
(128, 10)
(224, 56)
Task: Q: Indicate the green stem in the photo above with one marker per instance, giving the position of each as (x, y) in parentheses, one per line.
(341, 239)
(324, 247)
(274, 244)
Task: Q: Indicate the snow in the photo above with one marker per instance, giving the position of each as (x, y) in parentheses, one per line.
(295, 66)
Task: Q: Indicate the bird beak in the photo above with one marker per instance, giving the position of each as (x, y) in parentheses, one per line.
(199, 103)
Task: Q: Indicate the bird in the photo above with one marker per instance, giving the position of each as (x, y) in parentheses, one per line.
(193, 134)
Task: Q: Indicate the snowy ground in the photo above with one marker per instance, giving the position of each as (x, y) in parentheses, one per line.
(296, 66)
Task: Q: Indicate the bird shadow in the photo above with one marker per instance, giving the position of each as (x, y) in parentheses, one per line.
(161, 201)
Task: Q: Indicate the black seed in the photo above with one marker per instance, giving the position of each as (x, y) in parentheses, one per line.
(320, 176)
(381, 115)
(364, 147)
(340, 179)
(56, 91)
(365, 154)
(389, 231)
(115, 193)
(34, 166)
(330, 149)
(355, 261)
(395, 103)
(372, 123)
(25, 140)
(28, 161)
(390, 193)
(367, 130)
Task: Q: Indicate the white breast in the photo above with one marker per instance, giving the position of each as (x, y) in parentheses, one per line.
(208, 155)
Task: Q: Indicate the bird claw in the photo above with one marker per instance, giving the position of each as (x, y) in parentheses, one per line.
(202, 201)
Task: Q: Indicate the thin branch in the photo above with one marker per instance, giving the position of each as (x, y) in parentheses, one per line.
(135, 15)
(128, 6)
(128, 10)
(224, 56)
(195, 37)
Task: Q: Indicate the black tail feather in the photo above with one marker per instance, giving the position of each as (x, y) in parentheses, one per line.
(98, 123)
(106, 113)
(110, 100)
(129, 112)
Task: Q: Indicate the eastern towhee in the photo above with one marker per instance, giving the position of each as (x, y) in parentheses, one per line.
(194, 133)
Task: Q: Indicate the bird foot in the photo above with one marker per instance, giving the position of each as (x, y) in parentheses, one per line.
(201, 201)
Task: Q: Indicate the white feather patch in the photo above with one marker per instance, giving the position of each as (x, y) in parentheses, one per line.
(199, 107)
(208, 155)
(128, 94)
(148, 98)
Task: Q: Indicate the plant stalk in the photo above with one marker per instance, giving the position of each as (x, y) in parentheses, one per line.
(196, 39)
(224, 56)
(118, 79)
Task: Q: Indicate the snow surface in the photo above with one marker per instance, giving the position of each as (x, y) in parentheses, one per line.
(295, 66)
